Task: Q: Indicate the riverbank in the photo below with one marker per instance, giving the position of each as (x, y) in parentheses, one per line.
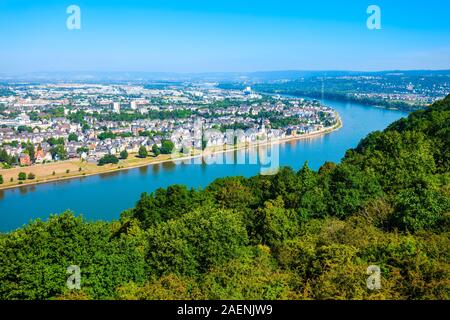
(71, 169)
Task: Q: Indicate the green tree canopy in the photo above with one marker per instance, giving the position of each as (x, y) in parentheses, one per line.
(143, 153)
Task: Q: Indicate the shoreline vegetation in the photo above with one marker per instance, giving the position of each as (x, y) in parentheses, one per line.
(72, 169)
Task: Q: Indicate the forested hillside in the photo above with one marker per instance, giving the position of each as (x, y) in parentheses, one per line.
(294, 235)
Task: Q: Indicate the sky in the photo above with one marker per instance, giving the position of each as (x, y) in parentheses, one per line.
(223, 35)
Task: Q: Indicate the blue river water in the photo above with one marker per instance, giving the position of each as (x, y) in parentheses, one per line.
(105, 196)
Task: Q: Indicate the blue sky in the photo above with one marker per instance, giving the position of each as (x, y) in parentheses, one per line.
(223, 35)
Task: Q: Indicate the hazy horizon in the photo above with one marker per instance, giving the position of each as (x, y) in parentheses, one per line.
(80, 76)
(233, 71)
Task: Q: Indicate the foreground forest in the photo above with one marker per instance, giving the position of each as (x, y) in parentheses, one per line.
(294, 235)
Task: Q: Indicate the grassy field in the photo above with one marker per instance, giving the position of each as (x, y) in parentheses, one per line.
(70, 169)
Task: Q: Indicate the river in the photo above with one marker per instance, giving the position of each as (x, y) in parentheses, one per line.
(105, 196)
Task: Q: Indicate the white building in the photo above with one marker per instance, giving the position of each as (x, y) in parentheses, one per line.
(248, 90)
(116, 107)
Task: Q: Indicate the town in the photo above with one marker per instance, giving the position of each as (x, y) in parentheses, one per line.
(102, 123)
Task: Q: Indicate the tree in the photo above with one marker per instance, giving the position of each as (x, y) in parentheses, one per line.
(422, 207)
(55, 141)
(108, 158)
(275, 223)
(5, 157)
(143, 153)
(106, 135)
(166, 204)
(24, 129)
(123, 154)
(231, 193)
(286, 184)
(312, 202)
(167, 146)
(43, 250)
(156, 151)
(1, 179)
(29, 149)
(197, 241)
(22, 176)
(72, 137)
(82, 149)
(31, 176)
(85, 127)
(59, 152)
(145, 133)
(250, 276)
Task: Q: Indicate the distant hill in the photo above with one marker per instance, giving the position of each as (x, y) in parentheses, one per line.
(93, 76)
